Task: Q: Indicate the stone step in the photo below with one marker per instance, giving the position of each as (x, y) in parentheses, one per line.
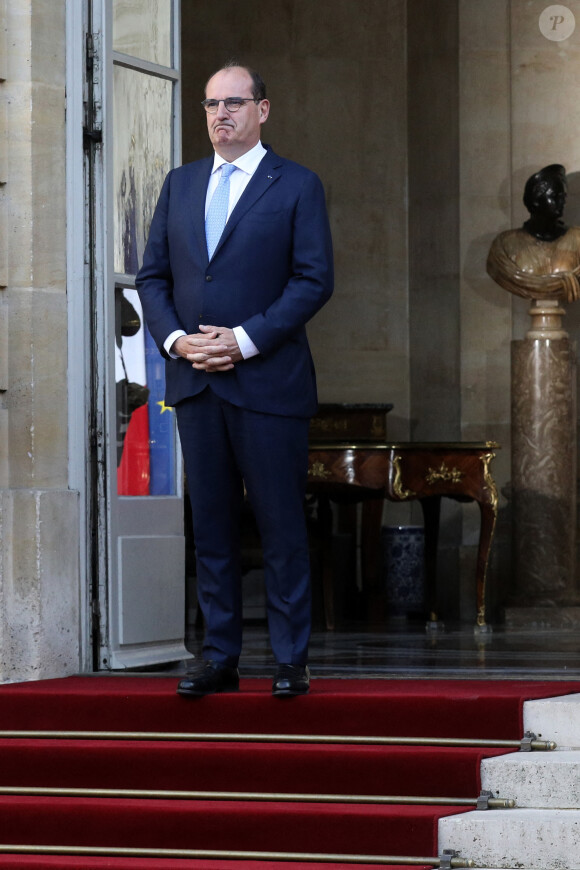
(543, 833)
(538, 780)
(538, 839)
(555, 719)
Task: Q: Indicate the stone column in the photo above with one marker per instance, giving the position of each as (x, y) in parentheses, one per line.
(544, 462)
(40, 594)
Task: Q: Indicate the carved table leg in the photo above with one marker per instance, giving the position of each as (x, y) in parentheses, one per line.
(325, 534)
(431, 511)
(372, 517)
(488, 518)
(489, 508)
(371, 522)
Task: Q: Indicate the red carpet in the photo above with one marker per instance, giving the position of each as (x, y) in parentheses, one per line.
(457, 708)
(414, 708)
(242, 767)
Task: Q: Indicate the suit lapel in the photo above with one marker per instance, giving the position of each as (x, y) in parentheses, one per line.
(196, 196)
(267, 173)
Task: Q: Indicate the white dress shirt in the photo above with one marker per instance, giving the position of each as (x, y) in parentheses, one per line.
(245, 165)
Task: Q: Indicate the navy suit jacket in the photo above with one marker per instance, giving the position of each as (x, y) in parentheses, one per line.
(271, 272)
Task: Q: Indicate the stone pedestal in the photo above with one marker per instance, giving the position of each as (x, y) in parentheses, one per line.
(544, 461)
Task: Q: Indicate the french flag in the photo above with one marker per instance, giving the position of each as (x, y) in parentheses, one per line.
(147, 451)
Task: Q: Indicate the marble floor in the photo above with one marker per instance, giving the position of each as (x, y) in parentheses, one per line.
(395, 648)
(400, 647)
(401, 650)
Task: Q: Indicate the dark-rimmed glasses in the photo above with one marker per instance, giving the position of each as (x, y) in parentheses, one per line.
(232, 104)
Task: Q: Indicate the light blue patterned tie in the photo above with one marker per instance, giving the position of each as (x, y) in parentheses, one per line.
(217, 212)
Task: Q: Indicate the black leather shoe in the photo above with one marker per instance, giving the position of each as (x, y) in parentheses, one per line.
(291, 680)
(212, 678)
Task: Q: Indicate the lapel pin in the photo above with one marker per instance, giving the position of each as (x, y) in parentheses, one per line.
(269, 176)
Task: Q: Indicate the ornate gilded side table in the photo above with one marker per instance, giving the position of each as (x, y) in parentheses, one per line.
(404, 471)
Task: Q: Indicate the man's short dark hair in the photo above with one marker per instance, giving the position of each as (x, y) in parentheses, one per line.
(258, 84)
(542, 181)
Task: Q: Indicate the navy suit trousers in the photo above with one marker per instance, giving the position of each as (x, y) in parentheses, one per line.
(225, 448)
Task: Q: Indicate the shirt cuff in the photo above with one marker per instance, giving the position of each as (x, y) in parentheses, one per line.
(245, 343)
(168, 343)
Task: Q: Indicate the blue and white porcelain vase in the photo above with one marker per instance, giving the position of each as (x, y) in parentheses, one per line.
(404, 561)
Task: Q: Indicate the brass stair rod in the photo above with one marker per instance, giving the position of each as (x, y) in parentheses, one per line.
(275, 738)
(282, 797)
(120, 852)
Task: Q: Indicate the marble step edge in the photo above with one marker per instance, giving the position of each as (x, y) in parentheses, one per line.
(540, 780)
(555, 719)
(537, 839)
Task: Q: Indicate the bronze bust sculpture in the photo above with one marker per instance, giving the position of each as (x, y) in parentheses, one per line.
(542, 259)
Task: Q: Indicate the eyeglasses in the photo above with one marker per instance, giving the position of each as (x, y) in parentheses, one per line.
(232, 104)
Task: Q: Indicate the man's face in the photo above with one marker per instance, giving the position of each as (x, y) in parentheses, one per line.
(234, 133)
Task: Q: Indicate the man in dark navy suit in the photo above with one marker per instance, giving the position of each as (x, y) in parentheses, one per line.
(227, 307)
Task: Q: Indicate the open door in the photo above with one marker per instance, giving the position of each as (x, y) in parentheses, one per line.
(142, 601)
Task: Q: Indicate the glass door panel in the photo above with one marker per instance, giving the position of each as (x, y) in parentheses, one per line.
(143, 29)
(142, 156)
